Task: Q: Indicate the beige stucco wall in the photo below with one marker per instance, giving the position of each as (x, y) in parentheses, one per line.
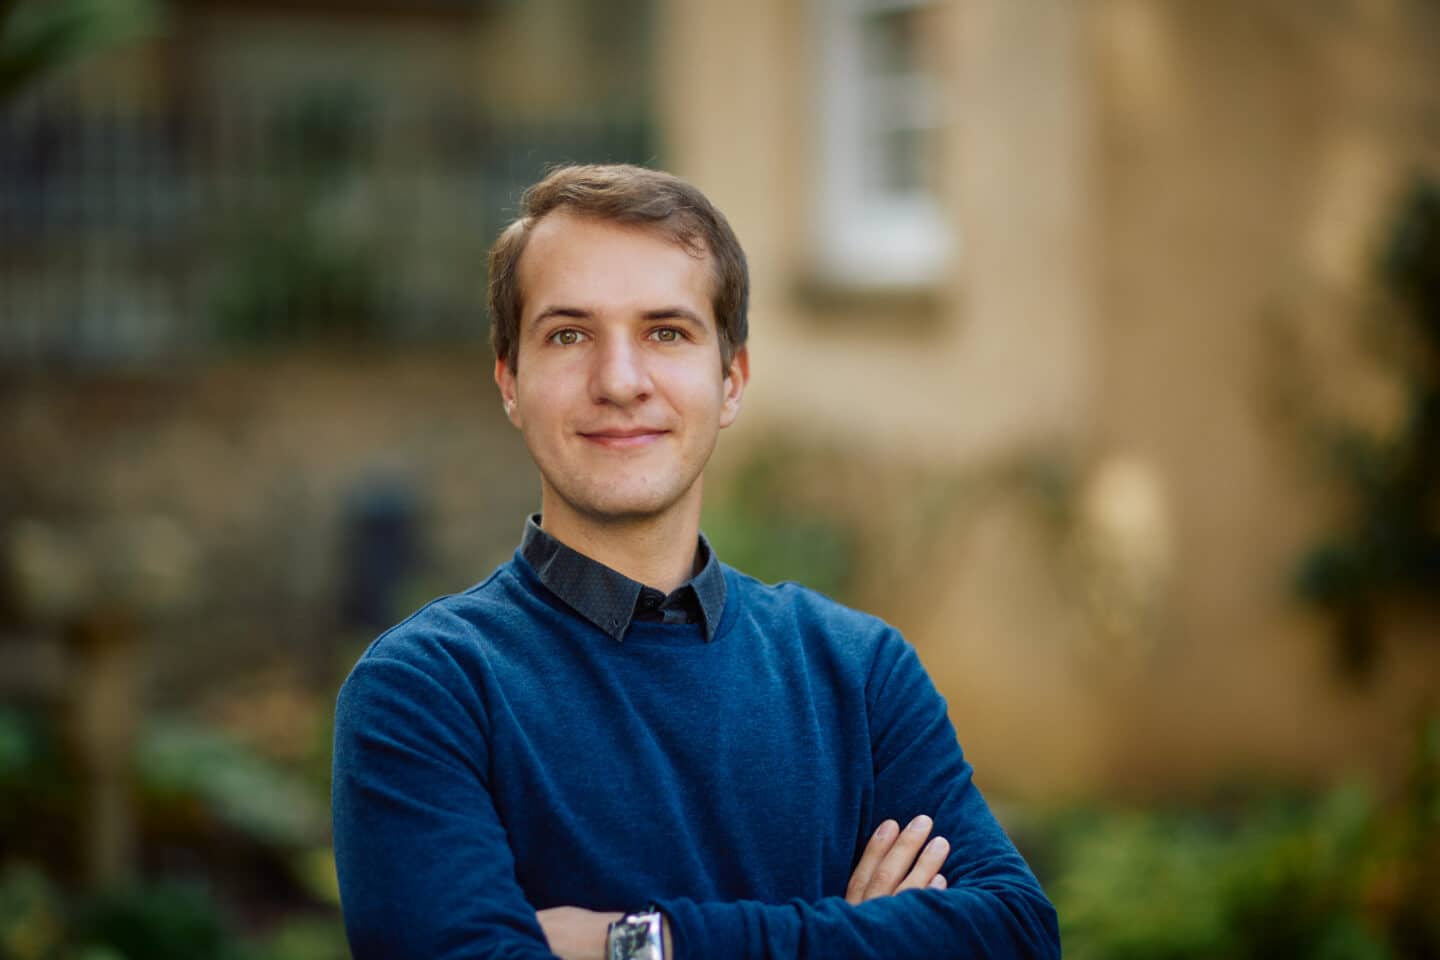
(1140, 190)
(996, 359)
(1251, 153)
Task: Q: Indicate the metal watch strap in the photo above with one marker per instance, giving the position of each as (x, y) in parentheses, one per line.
(637, 936)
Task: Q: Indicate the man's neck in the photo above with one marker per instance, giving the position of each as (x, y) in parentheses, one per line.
(657, 551)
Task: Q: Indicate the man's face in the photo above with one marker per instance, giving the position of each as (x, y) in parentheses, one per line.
(618, 387)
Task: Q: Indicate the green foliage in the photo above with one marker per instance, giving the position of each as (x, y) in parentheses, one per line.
(304, 938)
(164, 921)
(1411, 262)
(1183, 887)
(288, 282)
(229, 807)
(1342, 875)
(238, 786)
(179, 767)
(762, 524)
(145, 921)
(322, 135)
(18, 745)
(292, 271)
(40, 36)
(315, 871)
(1390, 545)
(32, 915)
(38, 802)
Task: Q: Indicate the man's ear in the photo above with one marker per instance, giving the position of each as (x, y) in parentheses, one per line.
(505, 380)
(736, 376)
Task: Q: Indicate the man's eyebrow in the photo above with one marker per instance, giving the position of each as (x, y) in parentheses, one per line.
(658, 313)
(672, 313)
(575, 313)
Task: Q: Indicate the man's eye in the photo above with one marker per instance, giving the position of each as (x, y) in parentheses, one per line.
(666, 334)
(565, 338)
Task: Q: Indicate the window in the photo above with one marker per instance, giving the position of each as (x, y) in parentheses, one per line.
(879, 222)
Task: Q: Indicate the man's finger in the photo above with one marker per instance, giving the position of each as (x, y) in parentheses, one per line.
(880, 843)
(927, 865)
(895, 865)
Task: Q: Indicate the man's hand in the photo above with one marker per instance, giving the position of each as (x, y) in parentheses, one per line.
(578, 934)
(575, 933)
(895, 860)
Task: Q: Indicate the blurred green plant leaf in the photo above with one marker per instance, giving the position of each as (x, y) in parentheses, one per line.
(17, 744)
(32, 917)
(762, 523)
(163, 921)
(305, 938)
(236, 784)
(315, 869)
(1386, 544)
(38, 37)
(1306, 878)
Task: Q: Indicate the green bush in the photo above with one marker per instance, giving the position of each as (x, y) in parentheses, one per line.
(1386, 546)
(763, 523)
(205, 802)
(304, 938)
(1341, 876)
(32, 915)
(161, 921)
(239, 787)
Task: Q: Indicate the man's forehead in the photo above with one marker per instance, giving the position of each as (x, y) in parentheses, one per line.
(565, 223)
(578, 257)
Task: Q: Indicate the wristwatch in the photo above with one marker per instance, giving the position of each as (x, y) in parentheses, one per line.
(637, 936)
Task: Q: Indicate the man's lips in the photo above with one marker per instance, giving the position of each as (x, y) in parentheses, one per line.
(626, 438)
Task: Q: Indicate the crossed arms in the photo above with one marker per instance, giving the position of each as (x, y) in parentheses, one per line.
(894, 861)
(427, 868)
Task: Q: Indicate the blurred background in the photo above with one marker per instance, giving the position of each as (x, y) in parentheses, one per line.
(1096, 345)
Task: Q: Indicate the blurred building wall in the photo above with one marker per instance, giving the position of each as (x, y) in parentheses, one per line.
(242, 272)
(258, 162)
(1019, 270)
(1134, 194)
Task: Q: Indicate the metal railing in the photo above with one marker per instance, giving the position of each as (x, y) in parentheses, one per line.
(135, 236)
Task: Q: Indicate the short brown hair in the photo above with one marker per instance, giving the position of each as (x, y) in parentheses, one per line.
(621, 193)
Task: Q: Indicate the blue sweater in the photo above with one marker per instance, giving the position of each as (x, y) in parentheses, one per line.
(496, 754)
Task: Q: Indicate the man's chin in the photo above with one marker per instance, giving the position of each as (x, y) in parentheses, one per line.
(624, 513)
(623, 508)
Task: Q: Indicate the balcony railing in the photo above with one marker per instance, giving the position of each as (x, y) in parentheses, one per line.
(130, 236)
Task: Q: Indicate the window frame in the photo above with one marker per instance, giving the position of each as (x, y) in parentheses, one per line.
(867, 234)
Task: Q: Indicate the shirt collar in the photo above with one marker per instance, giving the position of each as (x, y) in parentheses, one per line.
(607, 597)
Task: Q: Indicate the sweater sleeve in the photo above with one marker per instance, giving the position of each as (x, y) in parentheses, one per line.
(993, 908)
(424, 865)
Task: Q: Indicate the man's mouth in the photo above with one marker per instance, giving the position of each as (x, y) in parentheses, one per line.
(628, 438)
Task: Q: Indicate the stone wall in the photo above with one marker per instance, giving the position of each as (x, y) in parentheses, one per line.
(235, 481)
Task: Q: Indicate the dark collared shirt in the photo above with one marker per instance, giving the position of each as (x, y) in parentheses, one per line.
(611, 600)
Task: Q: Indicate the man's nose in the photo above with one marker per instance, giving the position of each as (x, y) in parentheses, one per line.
(620, 375)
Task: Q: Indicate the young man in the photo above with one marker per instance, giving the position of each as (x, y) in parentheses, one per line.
(616, 746)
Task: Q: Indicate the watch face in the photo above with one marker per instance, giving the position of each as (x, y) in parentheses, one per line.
(636, 937)
(629, 943)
